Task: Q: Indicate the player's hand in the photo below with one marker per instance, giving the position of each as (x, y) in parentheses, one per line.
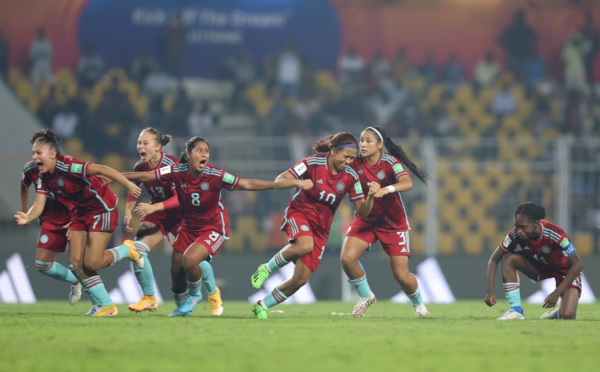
(375, 190)
(551, 300)
(305, 184)
(144, 209)
(104, 179)
(68, 234)
(22, 219)
(134, 189)
(126, 222)
(490, 299)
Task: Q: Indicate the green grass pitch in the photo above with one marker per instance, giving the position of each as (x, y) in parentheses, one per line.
(464, 336)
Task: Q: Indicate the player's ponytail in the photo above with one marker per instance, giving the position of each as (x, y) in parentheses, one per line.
(162, 139)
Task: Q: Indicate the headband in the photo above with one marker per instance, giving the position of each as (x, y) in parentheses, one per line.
(376, 131)
(346, 145)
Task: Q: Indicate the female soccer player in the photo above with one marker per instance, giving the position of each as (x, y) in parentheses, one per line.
(157, 226)
(53, 233)
(387, 221)
(540, 250)
(93, 218)
(205, 223)
(322, 181)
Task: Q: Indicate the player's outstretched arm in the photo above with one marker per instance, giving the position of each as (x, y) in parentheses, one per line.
(254, 185)
(99, 169)
(286, 181)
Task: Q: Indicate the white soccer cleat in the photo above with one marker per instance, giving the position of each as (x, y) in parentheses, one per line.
(552, 314)
(75, 294)
(422, 312)
(512, 315)
(363, 303)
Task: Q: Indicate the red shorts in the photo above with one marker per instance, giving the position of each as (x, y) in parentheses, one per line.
(212, 240)
(547, 272)
(166, 222)
(53, 240)
(394, 243)
(103, 222)
(297, 225)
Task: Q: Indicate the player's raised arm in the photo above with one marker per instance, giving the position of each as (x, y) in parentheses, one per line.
(94, 169)
(286, 180)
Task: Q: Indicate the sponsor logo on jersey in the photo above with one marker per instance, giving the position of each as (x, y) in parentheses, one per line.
(398, 168)
(229, 178)
(76, 168)
(204, 186)
(300, 169)
(164, 170)
(44, 239)
(358, 188)
(380, 175)
(340, 186)
(60, 182)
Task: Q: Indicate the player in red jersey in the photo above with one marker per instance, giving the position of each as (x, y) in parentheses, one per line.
(540, 250)
(322, 181)
(387, 221)
(93, 218)
(157, 226)
(53, 233)
(204, 225)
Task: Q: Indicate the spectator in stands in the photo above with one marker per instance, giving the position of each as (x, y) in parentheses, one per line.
(289, 71)
(504, 102)
(175, 38)
(350, 68)
(90, 68)
(142, 66)
(49, 107)
(573, 56)
(40, 53)
(591, 37)
(181, 109)
(158, 83)
(519, 41)
(65, 122)
(534, 70)
(429, 69)
(243, 71)
(400, 67)
(201, 121)
(453, 73)
(381, 108)
(379, 66)
(4, 57)
(486, 71)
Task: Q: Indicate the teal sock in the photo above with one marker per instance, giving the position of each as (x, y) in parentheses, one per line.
(513, 295)
(208, 277)
(276, 262)
(274, 298)
(55, 270)
(119, 253)
(194, 288)
(416, 298)
(180, 298)
(144, 276)
(94, 300)
(97, 289)
(361, 285)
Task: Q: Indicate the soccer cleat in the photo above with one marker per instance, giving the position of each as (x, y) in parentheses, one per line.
(134, 256)
(260, 276)
(146, 303)
(110, 310)
(93, 310)
(178, 312)
(259, 311)
(553, 314)
(422, 312)
(216, 304)
(75, 294)
(512, 315)
(190, 304)
(363, 303)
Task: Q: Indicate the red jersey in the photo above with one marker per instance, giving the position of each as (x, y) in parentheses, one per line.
(320, 203)
(158, 191)
(55, 215)
(552, 248)
(388, 212)
(200, 198)
(70, 183)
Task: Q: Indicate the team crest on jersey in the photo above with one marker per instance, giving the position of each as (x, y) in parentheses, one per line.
(340, 186)
(304, 228)
(204, 186)
(60, 182)
(546, 250)
(44, 239)
(380, 175)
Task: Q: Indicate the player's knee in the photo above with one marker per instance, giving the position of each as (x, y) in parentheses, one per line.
(347, 259)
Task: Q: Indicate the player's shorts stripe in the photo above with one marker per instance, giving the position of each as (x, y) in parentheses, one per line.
(293, 225)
